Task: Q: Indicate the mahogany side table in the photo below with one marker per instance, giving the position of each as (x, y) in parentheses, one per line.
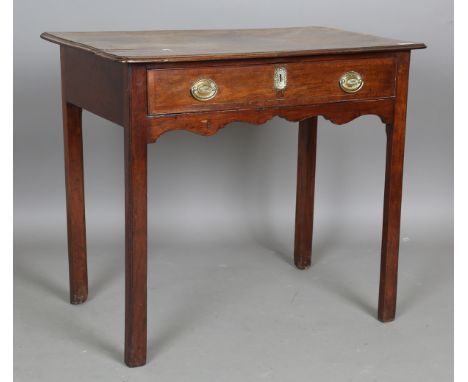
(156, 81)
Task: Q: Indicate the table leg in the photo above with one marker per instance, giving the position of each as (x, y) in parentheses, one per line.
(74, 185)
(135, 245)
(307, 147)
(392, 197)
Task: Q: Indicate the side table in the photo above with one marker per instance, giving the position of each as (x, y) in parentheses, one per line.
(157, 81)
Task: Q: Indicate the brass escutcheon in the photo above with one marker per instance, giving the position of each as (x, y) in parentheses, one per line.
(280, 78)
(351, 82)
(204, 89)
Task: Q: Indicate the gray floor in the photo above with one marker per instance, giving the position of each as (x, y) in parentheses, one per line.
(227, 309)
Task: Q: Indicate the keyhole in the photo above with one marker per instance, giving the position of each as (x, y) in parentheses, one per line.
(280, 78)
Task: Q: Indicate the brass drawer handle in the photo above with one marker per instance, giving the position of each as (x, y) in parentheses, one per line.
(351, 82)
(204, 89)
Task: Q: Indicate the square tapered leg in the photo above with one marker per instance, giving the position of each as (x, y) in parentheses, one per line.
(135, 147)
(74, 185)
(392, 197)
(307, 147)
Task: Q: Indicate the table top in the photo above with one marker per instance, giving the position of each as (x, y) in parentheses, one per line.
(200, 45)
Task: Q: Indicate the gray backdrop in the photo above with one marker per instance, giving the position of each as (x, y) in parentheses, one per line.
(225, 302)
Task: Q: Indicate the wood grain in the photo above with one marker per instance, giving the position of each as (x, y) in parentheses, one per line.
(199, 45)
(209, 123)
(310, 81)
(94, 83)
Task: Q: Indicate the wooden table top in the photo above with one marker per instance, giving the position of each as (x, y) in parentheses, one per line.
(200, 45)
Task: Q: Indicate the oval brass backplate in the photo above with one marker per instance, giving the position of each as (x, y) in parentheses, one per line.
(351, 82)
(204, 89)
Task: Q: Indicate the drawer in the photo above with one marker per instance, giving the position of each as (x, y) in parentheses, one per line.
(190, 89)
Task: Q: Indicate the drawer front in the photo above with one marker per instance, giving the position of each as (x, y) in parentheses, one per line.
(192, 89)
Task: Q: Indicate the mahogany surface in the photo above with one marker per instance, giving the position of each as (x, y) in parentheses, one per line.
(306, 156)
(252, 84)
(199, 45)
(142, 82)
